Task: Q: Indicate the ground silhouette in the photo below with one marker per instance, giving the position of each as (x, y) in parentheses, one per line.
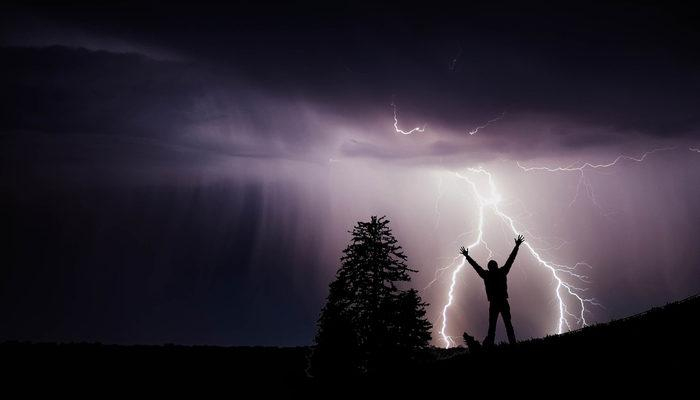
(656, 346)
(655, 349)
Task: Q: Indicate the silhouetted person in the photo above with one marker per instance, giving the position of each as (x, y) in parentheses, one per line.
(496, 291)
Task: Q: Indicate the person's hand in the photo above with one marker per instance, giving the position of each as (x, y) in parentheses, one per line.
(519, 240)
(463, 251)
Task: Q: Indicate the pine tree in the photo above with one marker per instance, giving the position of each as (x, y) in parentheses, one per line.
(368, 316)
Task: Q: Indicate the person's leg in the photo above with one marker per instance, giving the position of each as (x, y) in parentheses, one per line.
(505, 312)
(493, 317)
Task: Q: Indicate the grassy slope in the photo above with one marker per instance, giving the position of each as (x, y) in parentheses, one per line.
(659, 343)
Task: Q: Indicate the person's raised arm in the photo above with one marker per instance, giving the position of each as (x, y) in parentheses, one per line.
(474, 264)
(509, 263)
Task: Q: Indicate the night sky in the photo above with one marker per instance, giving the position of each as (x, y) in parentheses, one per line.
(187, 173)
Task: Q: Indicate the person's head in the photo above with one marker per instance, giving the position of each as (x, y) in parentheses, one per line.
(493, 265)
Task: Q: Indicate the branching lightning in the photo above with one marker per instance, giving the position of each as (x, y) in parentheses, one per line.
(578, 166)
(487, 123)
(564, 276)
(584, 184)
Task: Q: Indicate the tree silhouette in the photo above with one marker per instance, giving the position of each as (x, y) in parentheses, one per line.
(368, 320)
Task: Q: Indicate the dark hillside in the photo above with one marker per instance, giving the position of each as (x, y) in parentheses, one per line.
(657, 346)
(661, 343)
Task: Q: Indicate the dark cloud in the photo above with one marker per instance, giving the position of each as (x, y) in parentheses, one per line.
(630, 70)
(72, 90)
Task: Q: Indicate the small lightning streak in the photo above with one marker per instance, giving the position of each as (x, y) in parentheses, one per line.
(487, 123)
(564, 275)
(399, 130)
(695, 149)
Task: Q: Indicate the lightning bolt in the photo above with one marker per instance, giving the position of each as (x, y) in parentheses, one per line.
(401, 131)
(564, 276)
(459, 260)
(695, 149)
(487, 123)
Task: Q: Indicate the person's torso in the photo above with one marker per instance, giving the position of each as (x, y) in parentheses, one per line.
(496, 285)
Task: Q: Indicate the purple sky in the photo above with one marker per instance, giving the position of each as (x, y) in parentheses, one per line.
(189, 173)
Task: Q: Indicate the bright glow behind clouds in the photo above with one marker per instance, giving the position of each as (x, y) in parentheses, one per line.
(621, 276)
